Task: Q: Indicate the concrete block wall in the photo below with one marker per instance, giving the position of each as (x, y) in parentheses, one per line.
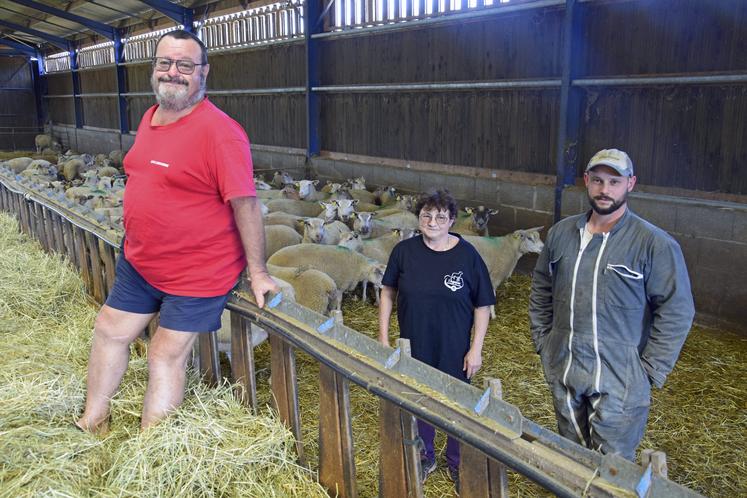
(713, 235)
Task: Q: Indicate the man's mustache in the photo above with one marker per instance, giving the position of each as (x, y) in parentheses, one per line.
(603, 198)
(169, 79)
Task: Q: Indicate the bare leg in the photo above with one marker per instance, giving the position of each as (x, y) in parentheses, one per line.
(113, 332)
(167, 364)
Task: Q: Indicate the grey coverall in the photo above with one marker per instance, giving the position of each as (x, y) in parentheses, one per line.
(608, 322)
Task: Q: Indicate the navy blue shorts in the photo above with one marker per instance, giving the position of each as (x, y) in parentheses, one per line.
(182, 313)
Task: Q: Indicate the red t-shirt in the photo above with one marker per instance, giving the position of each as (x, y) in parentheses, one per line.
(179, 226)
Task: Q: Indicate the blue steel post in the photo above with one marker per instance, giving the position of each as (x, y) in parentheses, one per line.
(40, 88)
(124, 122)
(567, 146)
(76, 88)
(313, 9)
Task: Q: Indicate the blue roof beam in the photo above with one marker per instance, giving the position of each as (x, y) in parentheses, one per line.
(103, 29)
(54, 40)
(178, 13)
(20, 47)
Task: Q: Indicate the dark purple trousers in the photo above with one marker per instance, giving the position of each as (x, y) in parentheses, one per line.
(427, 434)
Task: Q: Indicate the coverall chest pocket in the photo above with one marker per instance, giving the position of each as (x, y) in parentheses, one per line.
(624, 286)
(561, 273)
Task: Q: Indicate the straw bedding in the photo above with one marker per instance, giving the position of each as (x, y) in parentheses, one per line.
(699, 419)
(210, 447)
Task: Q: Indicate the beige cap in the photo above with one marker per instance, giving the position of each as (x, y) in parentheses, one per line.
(615, 159)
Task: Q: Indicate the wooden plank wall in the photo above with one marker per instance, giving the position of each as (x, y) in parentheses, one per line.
(688, 137)
(101, 112)
(17, 107)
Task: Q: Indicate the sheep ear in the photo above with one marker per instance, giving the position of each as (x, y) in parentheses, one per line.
(468, 210)
(355, 202)
(493, 212)
(324, 204)
(315, 182)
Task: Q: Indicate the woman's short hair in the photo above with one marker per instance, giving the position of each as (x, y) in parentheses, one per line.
(440, 199)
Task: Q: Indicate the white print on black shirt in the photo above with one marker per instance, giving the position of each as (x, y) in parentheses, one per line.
(454, 281)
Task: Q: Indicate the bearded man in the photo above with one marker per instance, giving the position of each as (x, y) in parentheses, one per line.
(192, 224)
(610, 309)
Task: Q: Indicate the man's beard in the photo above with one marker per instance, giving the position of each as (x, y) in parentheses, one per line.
(612, 207)
(176, 98)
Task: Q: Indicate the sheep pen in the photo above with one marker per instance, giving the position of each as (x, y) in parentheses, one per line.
(211, 446)
(699, 419)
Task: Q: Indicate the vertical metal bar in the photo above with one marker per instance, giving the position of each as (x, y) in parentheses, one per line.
(313, 79)
(566, 153)
(76, 89)
(124, 123)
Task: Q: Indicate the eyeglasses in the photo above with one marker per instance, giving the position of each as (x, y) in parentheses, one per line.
(441, 219)
(182, 65)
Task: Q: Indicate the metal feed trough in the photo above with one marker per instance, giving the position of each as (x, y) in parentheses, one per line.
(494, 434)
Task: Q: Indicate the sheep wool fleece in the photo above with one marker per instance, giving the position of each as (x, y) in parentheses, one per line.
(181, 234)
(437, 293)
(608, 320)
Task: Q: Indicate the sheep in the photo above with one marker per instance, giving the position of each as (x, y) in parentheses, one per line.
(329, 211)
(474, 221)
(289, 220)
(346, 267)
(307, 190)
(269, 195)
(385, 196)
(345, 209)
(72, 168)
(44, 142)
(107, 171)
(369, 228)
(314, 289)
(279, 236)
(363, 196)
(281, 178)
(291, 206)
(116, 157)
(405, 219)
(18, 164)
(378, 249)
(331, 188)
(502, 253)
(260, 184)
(317, 231)
(358, 183)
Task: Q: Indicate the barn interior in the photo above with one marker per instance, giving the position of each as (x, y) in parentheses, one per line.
(502, 102)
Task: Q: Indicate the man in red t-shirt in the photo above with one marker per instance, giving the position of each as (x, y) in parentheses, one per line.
(192, 223)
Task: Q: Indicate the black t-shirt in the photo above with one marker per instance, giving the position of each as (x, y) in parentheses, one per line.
(437, 293)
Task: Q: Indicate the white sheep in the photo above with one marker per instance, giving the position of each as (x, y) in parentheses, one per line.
(474, 221)
(280, 179)
(307, 190)
(314, 289)
(329, 211)
(345, 209)
(292, 206)
(378, 249)
(385, 196)
(18, 164)
(279, 236)
(260, 184)
(502, 253)
(346, 267)
(290, 220)
(358, 183)
(318, 231)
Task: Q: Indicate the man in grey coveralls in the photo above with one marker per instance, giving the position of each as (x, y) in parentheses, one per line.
(610, 309)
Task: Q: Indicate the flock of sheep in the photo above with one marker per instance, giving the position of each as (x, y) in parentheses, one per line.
(321, 243)
(91, 185)
(326, 242)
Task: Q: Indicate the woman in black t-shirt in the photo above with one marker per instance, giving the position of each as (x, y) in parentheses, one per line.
(443, 288)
